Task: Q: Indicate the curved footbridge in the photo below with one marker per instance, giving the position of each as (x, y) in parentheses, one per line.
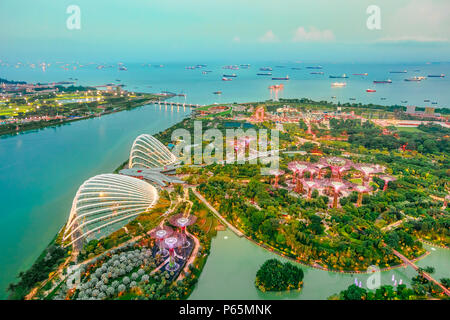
(425, 274)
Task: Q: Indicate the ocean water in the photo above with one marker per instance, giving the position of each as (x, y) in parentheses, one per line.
(247, 86)
(40, 171)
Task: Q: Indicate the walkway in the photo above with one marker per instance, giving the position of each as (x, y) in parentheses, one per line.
(217, 214)
(425, 275)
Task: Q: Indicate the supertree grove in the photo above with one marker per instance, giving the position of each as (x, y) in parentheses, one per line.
(182, 221)
(337, 187)
(160, 233)
(337, 165)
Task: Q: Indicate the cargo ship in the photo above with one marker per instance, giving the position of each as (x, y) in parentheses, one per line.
(265, 69)
(344, 76)
(338, 84)
(416, 79)
(383, 81)
(281, 78)
(436, 75)
(371, 90)
(264, 74)
(403, 71)
(230, 75)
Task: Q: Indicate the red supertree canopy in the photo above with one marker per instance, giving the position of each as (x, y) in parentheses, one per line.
(182, 221)
(337, 165)
(172, 242)
(161, 232)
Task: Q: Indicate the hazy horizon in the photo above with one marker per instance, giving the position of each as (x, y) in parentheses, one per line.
(196, 30)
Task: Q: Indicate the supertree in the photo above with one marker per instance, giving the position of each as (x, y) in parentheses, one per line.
(320, 167)
(182, 221)
(241, 144)
(337, 165)
(310, 185)
(171, 243)
(160, 233)
(446, 200)
(367, 170)
(387, 179)
(297, 168)
(277, 173)
(361, 190)
(338, 187)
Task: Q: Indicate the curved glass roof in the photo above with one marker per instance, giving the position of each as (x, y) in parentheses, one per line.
(104, 204)
(148, 152)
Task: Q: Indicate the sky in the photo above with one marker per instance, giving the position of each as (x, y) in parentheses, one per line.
(208, 30)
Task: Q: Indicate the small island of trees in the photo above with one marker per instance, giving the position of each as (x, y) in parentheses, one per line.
(276, 276)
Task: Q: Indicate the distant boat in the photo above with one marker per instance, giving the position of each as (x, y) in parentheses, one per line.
(316, 72)
(230, 75)
(352, 99)
(383, 81)
(123, 68)
(314, 67)
(264, 74)
(436, 75)
(217, 92)
(266, 69)
(416, 79)
(296, 68)
(226, 79)
(403, 71)
(383, 98)
(404, 101)
(371, 90)
(281, 78)
(426, 100)
(344, 76)
(434, 102)
(338, 84)
(360, 74)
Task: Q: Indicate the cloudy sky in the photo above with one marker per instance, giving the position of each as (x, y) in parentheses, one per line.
(204, 30)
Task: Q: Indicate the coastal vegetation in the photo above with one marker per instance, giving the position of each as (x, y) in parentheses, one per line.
(421, 289)
(30, 112)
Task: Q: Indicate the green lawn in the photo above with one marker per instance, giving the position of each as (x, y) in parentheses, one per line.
(408, 129)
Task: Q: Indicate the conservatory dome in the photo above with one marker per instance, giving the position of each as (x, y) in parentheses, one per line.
(148, 152)
(106, 203)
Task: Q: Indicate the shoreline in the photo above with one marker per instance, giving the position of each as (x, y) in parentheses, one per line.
(66, 121)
